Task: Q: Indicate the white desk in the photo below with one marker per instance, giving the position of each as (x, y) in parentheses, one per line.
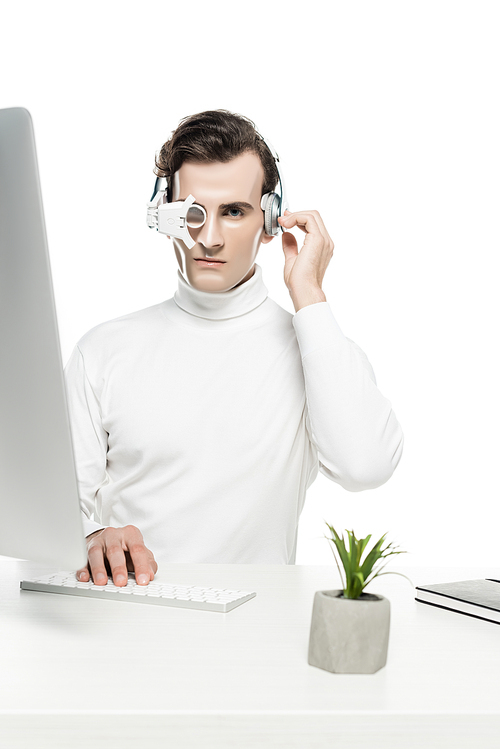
(76, 672)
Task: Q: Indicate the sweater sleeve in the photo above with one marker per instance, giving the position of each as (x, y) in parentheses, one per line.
(89, 438)
(351, 424)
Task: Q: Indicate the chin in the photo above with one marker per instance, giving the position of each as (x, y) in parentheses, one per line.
(215, 281)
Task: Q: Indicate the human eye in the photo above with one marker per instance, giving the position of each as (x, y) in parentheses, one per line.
(233, 212)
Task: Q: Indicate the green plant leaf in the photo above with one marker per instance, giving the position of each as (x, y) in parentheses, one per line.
(336, 562)
(358, 575)
(341, 548)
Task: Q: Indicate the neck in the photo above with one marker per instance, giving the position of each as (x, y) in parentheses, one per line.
(221, 305)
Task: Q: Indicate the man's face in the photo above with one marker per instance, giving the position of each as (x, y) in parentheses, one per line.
(230, 193)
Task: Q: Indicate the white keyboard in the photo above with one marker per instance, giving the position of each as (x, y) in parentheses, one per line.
(183, 596)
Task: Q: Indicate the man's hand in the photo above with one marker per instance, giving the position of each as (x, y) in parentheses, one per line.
(120, 550)
(304, 271)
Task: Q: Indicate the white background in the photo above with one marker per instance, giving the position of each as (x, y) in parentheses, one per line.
(386, 119)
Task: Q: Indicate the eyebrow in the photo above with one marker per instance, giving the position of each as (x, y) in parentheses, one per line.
(223, 206)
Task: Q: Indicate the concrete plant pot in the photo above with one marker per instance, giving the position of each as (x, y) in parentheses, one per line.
(349, 635)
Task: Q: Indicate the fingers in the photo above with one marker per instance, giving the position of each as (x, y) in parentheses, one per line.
(119, 549)
(289, 242)
(83, 574)
(305, 220)
(144, 563)
(96, 554)
(314, 214)
(310, 222)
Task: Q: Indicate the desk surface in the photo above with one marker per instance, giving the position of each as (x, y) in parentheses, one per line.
(81, 669)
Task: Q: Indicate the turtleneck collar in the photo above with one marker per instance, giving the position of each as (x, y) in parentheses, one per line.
(221, 305)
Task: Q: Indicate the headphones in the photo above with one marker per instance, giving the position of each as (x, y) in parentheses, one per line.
(176, 218)
(274, 204)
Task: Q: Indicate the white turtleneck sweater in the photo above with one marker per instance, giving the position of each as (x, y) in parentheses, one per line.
(204, 419)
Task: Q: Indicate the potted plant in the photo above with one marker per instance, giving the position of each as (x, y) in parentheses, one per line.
(350, 628)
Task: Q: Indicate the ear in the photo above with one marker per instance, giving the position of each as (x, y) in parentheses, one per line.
(266, 238)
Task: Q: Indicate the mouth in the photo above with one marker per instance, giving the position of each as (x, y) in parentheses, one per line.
(209, 261)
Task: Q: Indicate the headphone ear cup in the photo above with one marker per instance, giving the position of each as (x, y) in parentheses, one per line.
(270, 204)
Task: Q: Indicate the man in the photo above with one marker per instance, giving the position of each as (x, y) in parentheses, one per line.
(199, 423)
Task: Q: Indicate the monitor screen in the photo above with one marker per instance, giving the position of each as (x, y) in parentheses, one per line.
(40, 516)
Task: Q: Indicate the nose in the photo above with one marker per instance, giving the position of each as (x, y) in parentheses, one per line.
(210, 234)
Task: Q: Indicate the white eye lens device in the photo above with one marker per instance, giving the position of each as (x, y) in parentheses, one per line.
(175, 219)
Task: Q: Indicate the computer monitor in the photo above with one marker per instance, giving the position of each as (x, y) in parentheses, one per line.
(40, 517)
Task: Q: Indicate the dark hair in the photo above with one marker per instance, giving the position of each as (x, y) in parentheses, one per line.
(215, 135)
